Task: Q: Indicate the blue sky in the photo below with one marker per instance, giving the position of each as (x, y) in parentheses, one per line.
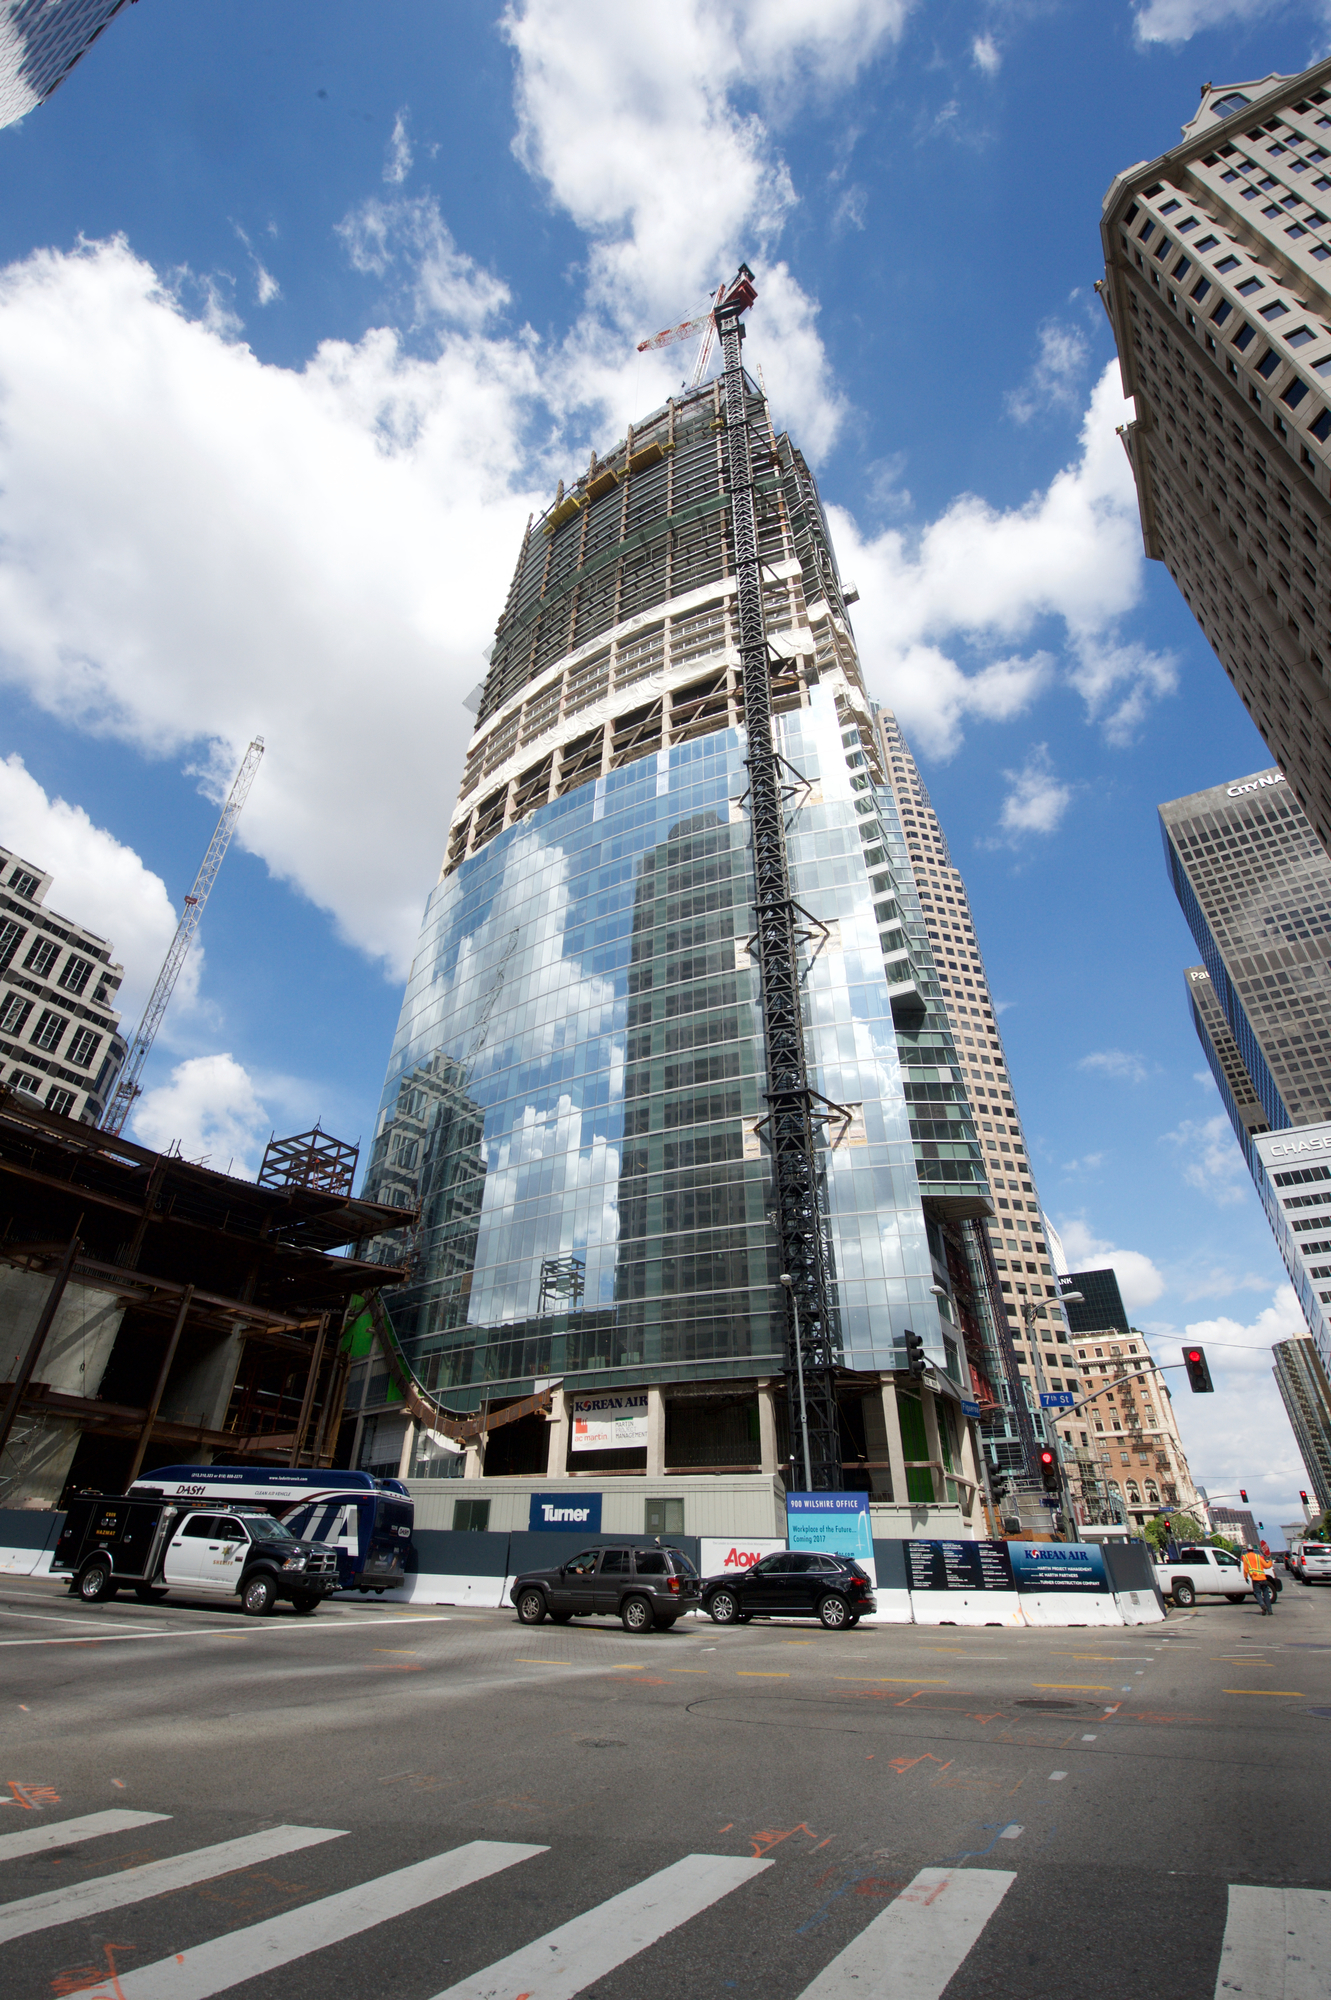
(303, 310)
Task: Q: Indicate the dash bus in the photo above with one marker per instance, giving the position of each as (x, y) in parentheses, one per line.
(367, 1520)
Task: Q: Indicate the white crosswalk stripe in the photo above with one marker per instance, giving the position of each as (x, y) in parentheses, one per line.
(49, 1833)
(914, 1946)
(1277, 1945)
(226, 1961)
(155, 1878)
(565, 1961)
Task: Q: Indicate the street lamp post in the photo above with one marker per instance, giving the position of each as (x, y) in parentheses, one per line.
(799, 1371)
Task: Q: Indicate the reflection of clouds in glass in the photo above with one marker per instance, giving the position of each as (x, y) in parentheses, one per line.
(536, 1036)
(548, 1191)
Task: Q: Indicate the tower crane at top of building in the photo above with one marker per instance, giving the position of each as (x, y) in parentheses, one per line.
(703, 318)
(128, 1087)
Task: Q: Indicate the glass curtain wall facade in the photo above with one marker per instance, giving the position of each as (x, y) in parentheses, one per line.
(575, 1094)
(1254, 884)
(1306, 1393)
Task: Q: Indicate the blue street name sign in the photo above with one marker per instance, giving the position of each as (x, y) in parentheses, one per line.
(1056, 1399)
(970, 1410)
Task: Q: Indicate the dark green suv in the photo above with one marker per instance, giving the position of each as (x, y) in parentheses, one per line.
(644, 1588)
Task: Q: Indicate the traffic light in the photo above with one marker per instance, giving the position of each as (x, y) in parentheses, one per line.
(1243, 1496)
(914, 1353)
(1199, 1375)
(1303, 1499)
(1049, 1470)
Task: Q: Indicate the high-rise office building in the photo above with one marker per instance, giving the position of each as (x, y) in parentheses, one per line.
(1254, 884)
(1217, 263)
(1032, 1326)
(1123, 1446)
(578, 1095)
(40, 42)
(1305, 1391)
(60, 1039)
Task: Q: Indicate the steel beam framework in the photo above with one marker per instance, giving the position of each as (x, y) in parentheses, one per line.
(794, 1109)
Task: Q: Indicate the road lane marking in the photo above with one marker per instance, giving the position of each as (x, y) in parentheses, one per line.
(1277, 1944)
(892, 1680)
(225, 1961)
(155, 1878)
(1054, 1776)
(248, 1630)
(62, 1832)
(914, 1947)
(1281, 1694)
(745, 1674)
(566, 1961)
(1082, 1687)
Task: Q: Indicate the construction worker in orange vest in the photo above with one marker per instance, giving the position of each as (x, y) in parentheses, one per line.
(1259, 1570)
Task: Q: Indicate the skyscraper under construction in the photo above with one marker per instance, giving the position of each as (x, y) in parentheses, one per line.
(673, 1089)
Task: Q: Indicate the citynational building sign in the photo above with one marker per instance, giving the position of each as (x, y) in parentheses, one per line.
(1293, 1175)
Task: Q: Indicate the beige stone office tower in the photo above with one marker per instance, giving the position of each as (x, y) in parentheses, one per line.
(1218, 284)
(1023, 1269)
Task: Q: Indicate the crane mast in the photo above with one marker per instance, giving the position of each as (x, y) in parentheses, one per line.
(128, 1085)
(793, 1107)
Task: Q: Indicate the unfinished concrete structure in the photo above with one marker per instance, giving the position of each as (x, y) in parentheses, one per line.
(152, 1310)
(579, 1092)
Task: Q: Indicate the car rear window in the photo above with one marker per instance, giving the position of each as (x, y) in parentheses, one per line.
(649, 1562)
(681, 1564)
(1317, 1549)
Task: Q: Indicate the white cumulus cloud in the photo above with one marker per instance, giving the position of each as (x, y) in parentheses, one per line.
(1177, 21)
(1211, 1160)
(210, 1111)
(1036, 800)
(1122, 1064)
(985, 577)
(1139, 1281)
(1055, 379)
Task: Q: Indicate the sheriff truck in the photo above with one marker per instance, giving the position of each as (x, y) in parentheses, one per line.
(150, 1544)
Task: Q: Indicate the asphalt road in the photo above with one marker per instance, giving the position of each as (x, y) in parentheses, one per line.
(446, 1803)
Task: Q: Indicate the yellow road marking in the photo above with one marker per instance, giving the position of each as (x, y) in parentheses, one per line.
(743, 1674)
(895, 1680)
(1292, 1694)
(625, 1667)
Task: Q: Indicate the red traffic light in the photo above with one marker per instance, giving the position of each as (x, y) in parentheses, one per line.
(1243, 1496)
(1049, 1469)
(1199, 1375)
(1304, 1498)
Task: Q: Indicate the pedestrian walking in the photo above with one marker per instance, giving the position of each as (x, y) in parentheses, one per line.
(1259, 1570)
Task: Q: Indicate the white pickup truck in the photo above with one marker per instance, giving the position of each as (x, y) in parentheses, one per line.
(1201, 1572)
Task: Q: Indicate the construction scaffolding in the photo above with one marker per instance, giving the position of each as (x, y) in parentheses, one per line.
(309, 1160)
(173, 1310)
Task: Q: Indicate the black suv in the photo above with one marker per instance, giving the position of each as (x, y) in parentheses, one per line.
(792, 1584)
(641, 1587)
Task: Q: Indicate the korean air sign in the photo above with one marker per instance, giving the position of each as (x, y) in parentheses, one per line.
(565, 1514)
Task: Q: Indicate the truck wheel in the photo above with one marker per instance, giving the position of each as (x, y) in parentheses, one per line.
(1184, 1594)
(635, 1615)
(147, 1595)
(258, 1596)
(95, 1584)
(531, 1607)
(305, 1605)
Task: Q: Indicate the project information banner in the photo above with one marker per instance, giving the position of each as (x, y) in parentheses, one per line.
(1058, 1566)
(610, 1423)
(971, 1566)
(836, 1524)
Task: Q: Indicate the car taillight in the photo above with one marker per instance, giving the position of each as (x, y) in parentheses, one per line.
(673, 1583)
(857, 1585)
